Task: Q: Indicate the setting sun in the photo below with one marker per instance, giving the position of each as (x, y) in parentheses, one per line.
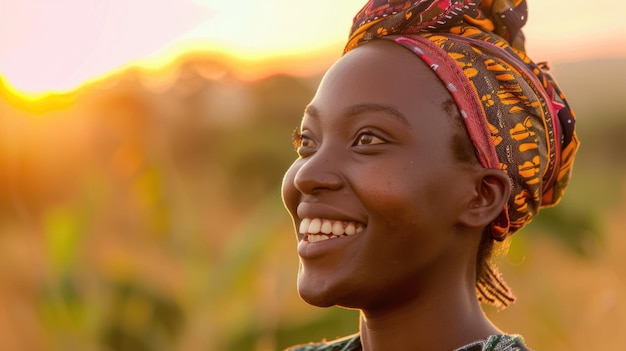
(59, 46)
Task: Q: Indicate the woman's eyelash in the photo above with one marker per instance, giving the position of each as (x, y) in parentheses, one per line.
(369, 134)
(296, 138)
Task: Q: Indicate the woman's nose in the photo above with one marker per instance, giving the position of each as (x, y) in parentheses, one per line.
(318, 172)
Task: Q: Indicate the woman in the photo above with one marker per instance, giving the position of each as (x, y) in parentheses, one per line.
(430, 140)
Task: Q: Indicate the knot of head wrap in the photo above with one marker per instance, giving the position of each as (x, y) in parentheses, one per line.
(516, 116)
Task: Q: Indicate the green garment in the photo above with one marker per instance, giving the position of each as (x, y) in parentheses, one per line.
(353, 343)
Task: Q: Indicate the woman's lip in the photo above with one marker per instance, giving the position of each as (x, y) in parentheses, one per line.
(317, 210)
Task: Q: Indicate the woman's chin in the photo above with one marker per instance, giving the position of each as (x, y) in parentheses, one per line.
(324, 293)
(319, 291)
(316, 295)
(316, 300)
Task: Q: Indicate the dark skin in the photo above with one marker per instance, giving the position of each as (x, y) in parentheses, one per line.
(376, 153)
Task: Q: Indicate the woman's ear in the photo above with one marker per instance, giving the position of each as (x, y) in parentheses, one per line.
(491, 194)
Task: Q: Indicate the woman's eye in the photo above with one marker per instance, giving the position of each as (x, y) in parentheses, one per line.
(306, 142)
(299, 140)
(302, 143)
(368, 138)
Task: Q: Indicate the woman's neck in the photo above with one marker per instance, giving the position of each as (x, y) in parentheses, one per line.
(444, 321)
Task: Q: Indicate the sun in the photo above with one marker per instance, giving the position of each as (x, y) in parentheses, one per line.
(56, 47)
(72, 43)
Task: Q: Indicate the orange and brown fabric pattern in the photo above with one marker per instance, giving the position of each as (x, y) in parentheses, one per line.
(516, 115)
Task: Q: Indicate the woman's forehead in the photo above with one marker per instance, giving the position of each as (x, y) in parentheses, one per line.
(381, 73)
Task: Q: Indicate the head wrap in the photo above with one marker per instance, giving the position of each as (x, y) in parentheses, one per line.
(515, 114)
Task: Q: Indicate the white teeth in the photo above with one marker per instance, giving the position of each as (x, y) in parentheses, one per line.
(315, 238)
(318, 229)
(350, 229)
(327, 227)
(315, 226)
(304, 225)
(321, 237)
(337, 228)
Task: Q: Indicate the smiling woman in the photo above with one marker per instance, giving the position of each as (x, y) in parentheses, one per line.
(402, 196)
(429, 141)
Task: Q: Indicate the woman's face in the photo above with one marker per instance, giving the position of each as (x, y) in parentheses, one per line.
(376, 191)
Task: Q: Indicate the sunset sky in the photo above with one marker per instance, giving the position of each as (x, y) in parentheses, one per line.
(59, 45)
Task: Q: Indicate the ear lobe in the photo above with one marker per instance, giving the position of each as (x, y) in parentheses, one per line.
(493, 188)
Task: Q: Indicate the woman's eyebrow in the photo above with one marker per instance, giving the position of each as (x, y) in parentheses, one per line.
(354, 110)
(311, 111)
(388, 109)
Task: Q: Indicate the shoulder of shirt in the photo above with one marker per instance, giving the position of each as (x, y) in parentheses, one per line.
(353, 343)
(505, 342)
(348, 343)
(501, 342)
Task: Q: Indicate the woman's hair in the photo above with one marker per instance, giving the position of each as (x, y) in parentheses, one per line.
(462, 147)
(490, 286)
(514, 116)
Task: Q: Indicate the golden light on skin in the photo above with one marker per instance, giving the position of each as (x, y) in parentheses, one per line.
(255, 38)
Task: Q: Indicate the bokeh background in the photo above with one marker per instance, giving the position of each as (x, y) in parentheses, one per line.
(142, 147)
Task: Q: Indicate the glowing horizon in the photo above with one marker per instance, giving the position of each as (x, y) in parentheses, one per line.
(244, 65)
(72, 43)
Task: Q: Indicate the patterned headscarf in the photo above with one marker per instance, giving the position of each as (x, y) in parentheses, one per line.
(514, 112)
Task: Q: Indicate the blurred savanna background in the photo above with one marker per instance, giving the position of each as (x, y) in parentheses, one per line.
(142, 148)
